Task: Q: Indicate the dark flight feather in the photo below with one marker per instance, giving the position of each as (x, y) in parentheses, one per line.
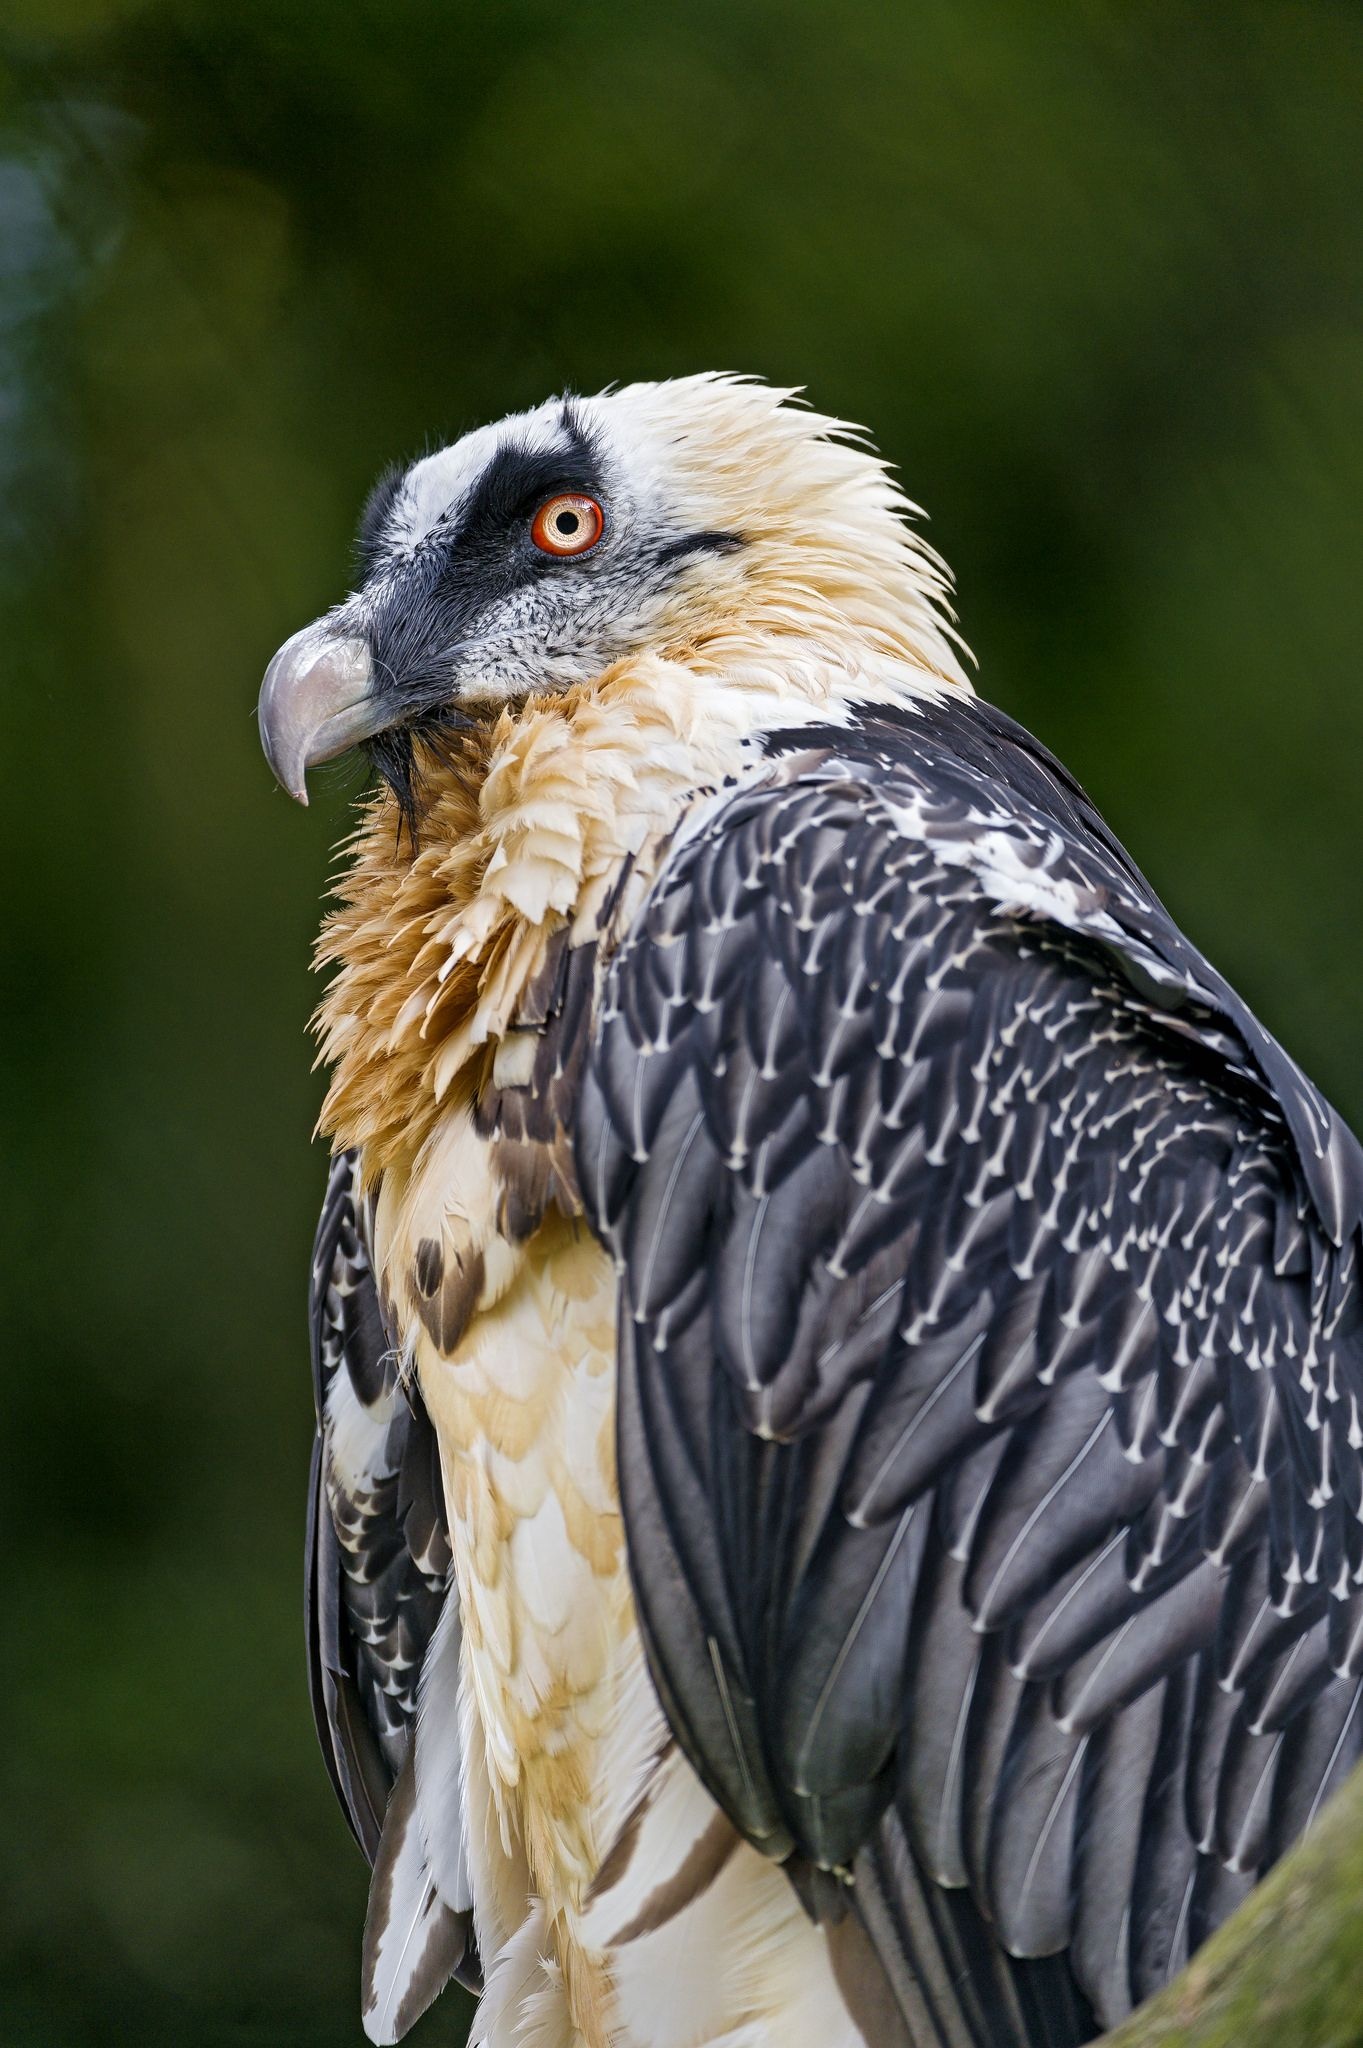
(379, 1607)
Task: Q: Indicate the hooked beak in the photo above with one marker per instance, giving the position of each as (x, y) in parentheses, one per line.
(315, 704)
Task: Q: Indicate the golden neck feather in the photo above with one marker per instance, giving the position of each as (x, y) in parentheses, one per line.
(526, 826)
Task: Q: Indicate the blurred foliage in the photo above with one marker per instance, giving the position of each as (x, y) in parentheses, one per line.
(1094, 275)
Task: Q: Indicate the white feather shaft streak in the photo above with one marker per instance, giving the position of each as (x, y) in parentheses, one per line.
(438, 1760)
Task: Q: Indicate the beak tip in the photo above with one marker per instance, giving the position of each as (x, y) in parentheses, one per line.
(313, 705)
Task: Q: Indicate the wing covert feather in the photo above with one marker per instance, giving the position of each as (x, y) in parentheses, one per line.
(991, 1394)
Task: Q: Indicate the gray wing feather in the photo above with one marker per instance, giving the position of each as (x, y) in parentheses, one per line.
(992, 1371)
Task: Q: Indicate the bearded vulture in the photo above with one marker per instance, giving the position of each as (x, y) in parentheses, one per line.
(837, 1337)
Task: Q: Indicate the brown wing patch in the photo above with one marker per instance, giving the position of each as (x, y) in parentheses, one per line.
(429, 1268)
(531, 1178)
(697, 1870)
(445, 1290)
(528, 1124)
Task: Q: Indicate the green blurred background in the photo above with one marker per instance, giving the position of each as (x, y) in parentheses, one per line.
(1093, 274)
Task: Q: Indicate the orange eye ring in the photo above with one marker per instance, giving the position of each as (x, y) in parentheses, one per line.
(569, 524)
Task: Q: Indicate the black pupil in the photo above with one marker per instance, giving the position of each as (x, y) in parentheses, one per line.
(567, 524)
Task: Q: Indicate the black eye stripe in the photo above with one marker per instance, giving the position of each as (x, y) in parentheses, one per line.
(518, 480)
(511, 489)
(699, 544)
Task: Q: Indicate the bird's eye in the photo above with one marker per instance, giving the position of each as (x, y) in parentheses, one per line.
(567, 525)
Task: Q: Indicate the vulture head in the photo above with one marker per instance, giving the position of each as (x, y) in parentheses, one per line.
(696, 518)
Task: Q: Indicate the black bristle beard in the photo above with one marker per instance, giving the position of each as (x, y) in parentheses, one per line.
(404, 756)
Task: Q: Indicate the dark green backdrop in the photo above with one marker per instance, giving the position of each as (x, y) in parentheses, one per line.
(1093, 274)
